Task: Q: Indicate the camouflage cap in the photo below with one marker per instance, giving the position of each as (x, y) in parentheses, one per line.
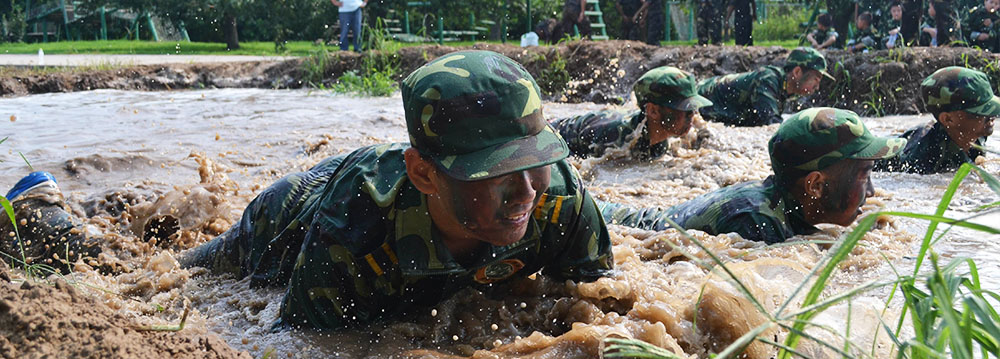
(957, 88)
(818, 137)
(478, 115)
(671, 87)
(809, 58)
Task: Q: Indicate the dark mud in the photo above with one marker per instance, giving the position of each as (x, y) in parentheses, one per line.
(876, 83)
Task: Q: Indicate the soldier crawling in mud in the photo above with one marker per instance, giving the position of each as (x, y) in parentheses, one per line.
(667, 103)
(756, 98)
(482, 193)
(821, 157)
(964, 109)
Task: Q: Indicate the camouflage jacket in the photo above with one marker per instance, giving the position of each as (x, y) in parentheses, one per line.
(593, 133)
(752, 98)
(867, 37)
(929, 150)
(363, 247)
(821, 36)
(757, 210)
(976, 22)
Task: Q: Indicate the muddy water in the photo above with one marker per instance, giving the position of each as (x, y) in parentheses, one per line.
(125, 157)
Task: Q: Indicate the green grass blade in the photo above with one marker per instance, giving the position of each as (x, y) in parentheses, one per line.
(26, 161)
(813, 295)
(735, 349)
(991, 181)
(946, 198)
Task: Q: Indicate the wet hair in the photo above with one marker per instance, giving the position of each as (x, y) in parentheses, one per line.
(866, 17)
(825, 19)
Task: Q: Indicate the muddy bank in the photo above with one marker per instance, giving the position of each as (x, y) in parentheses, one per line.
(876, 83)
(44, 321)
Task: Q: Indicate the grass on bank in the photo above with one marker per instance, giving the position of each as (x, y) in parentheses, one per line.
(945, 306)
(256, 48)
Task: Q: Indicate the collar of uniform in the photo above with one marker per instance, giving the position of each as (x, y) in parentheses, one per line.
(948, 147)
(422, 252)
(795, 218)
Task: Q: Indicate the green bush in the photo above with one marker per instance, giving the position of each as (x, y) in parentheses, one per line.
(782, 23)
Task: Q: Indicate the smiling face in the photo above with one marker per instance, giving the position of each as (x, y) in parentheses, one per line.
(495, 210)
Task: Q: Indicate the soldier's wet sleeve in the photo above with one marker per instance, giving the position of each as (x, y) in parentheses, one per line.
(754, 227)
(327, 289)
(589, 135)
(649, 218)
(587, 255)
(766, 109)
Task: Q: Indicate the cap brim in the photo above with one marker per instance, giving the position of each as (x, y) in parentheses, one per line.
(690, 104)
(880, 148)
(543, 148)
(827, 74)
(990, 108)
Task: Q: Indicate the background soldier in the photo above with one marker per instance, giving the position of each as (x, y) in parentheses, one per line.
(710, 21)
(629, 11)
(821, 158)
(964, 109)
(745, 12)
(667, 102)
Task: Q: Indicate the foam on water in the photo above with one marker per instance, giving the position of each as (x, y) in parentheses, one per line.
(125, 159)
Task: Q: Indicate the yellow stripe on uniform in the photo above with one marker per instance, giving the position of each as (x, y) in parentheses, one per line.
(388, 251)
(555, 213)
(371, 262)
(541, 205)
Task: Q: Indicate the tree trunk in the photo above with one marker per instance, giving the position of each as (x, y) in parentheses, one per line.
(229, 32)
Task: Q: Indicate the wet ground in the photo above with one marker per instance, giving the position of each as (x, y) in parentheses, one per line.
(124, 157)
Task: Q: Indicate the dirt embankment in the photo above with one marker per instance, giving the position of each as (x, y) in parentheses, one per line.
(876, 83)
(43, 321)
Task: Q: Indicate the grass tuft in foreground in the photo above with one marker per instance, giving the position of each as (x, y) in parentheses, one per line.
(950, 315)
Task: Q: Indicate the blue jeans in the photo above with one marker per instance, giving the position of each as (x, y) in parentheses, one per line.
(350, 21)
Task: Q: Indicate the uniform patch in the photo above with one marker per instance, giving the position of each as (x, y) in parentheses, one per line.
(498, 271)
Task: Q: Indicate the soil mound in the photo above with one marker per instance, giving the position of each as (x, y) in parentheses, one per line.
(42, 321)
(874, 84)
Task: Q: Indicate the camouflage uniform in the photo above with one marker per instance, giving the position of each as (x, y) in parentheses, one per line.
(842, 12)
(710, 21)
(630, 31)
(744, 14)
(925, 38)
(865, 37)
(976, 25)
(949, 27)
(655, 22)
(822, 35)
(930, 149)
(755, 98)
(766, 211)
(592, 133)
(352, 237)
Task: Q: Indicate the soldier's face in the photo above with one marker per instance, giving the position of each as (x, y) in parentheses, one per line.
(848, 185)
(992, 5)
(897, 12)
(495, 210)
(804, 82)
(966, 127)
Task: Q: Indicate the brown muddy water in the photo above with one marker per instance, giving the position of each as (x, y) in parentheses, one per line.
(123, 158)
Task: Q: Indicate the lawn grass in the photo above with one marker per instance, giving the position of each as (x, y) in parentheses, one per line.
(259, 48)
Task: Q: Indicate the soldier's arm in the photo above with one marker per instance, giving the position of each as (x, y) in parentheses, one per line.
(649, 218)
(327, 290)
(754, 227)
(592, 134)
(587, 256)
(765, 100)
(829, 40)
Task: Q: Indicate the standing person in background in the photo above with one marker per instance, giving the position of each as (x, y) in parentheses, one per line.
(710, 22)
(629, 11)
(946, 19)
(573, 14)
(910, 21)
(842, 13)
(350, 20)
(655, 21)
(745, 12)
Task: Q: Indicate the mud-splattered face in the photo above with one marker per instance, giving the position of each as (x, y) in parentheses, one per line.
(804, 82)
(672, 122)
(495, 210)
(967, 127)
(848, 185)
